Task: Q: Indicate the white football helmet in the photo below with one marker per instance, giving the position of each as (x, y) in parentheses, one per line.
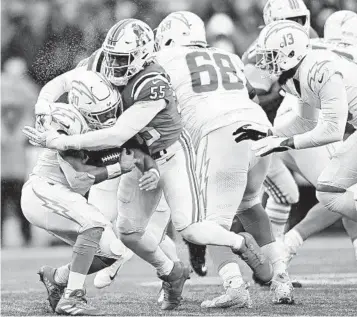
(127, 46)
(281, 46)
(96, 99)
(66, 118)
(341, 26)
(179, 29)
(294, 10)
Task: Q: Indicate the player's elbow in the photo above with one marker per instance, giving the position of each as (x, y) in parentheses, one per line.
(336, 136)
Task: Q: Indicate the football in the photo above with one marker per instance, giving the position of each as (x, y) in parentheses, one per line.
(104, 157)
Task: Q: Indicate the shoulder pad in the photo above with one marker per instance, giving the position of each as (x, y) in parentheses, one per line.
(83, 62)
(319, 73)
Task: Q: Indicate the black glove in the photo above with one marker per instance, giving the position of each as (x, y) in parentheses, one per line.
(250, 132)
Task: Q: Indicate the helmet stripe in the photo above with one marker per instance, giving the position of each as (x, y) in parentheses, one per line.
(296, 4)
(115, 35)
(181, 17)
(280, 26)
(291, 4)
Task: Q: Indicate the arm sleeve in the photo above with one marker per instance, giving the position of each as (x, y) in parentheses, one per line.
(59, 85)
(333, 116)
(128, 124)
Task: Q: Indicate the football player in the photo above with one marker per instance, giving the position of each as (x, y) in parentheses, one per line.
(150, 111)
(279, 183)
(214, 97)
(323, 80)
(339, 37)
(52, 199)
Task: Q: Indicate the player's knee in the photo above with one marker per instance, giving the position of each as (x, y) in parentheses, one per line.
(93, 234)
(331, 198)
(292, 195)
(87, 240)
(224, 220)
(130, 240)
(109, 243)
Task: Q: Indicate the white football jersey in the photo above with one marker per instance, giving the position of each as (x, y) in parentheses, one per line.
(210, 87)
(345, 50)
(312, 84)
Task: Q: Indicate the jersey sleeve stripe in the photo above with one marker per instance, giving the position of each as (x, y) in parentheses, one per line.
(145, 78)
(141, 79)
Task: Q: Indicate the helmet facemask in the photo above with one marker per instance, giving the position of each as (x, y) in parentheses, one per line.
(102, 119)
(270, 60)
(120, 67)
(303, 20)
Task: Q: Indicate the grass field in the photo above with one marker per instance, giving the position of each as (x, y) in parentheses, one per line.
(326, 267)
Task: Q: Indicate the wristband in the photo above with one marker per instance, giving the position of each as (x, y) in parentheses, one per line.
(113, 170)
(282, 92)
(155, 171)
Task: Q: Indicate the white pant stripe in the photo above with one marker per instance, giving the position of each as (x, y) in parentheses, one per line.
(189, 156)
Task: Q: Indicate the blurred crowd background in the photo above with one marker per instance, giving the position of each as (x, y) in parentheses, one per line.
(40, 39)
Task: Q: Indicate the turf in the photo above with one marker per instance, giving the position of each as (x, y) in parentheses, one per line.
(326, 267)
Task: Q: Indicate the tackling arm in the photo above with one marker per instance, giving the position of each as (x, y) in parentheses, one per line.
(128, 124)
(100, 174)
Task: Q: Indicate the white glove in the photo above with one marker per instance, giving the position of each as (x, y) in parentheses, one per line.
(272, 144)
(50, 138)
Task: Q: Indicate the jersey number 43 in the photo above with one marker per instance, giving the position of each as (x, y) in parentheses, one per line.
(205, 76)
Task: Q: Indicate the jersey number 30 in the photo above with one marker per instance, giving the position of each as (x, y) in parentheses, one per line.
(205, 77)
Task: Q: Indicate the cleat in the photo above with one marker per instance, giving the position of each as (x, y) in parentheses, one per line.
(54, 289)
(172, 286)
(238, 297)
(251, 254)
(76, 305)
(197, 258)
(106, 276)
(282, 289)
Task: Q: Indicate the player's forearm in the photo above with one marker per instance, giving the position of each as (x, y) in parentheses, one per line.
(128, 124)
(323, 134)
(58, 86)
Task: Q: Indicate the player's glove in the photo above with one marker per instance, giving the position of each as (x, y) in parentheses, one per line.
(149, 180)
(50, 138)
(251, 132)
(43, 122)
(272, 144)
